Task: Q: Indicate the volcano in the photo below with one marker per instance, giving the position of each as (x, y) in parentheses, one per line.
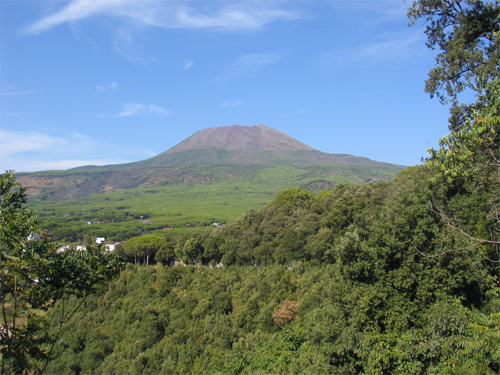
(256, 139)
(210, 155)
(236, 144)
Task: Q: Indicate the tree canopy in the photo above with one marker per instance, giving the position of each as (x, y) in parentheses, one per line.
(145, 245)
(464, 31)
(466, 34)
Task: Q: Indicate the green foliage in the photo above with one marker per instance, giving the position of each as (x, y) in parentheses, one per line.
(481, 353)
(365, 297)
(472, 151)
(146, 245)
(470, 156)
(466, 33)
(34, 277)
(293, 196)
(198, 196)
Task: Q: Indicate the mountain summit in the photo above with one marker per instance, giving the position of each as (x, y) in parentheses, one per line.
(257, 138)
(248, 145)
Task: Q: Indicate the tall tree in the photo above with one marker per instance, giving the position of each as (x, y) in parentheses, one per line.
(33, 278)
(465, 33)
(144, 245)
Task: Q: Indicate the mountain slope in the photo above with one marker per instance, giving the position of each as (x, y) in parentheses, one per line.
(214, 175)
(224, 149)
(238, 144)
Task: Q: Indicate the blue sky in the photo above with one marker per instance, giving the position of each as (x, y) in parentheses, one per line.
(112, 81)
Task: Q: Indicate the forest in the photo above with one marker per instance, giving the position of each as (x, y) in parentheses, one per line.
(344, 282)
(396, 277)
(197, 196)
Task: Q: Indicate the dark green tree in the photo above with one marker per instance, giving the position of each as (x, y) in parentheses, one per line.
(146, 245)
(166, 252)
(465, 33)
(34, 277)
(472, 152)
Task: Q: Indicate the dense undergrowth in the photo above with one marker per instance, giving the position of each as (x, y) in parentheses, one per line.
(355, 260)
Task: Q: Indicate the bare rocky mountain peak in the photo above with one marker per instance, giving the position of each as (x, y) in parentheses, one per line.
(256, 138)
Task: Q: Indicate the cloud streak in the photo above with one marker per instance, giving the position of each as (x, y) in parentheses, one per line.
(125, 45)
(76, 10)
(393, 47)
(253, 62)
(296, 113)
(17, 142)
(387, 50)
(8, 92)
(13, 142)
(29, 165)
(231, 104)
(34, 151)
(111, 87)
(169, 14)
(138, 109)
(73, 163)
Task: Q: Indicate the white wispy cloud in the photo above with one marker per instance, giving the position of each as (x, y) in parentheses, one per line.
(73, 163)
(169, 14)
(385, 8)
(231, 104)
(20, 164)
(188, 64)
(138, 109)
(387, 47)
(109, 87)
(140, 14)
(13, 142)
(26, 151)
(394, 10)
(124, 43)
(9, 91)
(290, 114)
(237, 15)
(371, 93)
(254, 61)
(75, 10)
(297, 112)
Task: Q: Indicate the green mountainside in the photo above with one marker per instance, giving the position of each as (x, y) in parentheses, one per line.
(213, 176)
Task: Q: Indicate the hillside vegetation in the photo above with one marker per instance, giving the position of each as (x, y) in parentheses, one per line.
(212, 176)
(123, 204)
(341, 282)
